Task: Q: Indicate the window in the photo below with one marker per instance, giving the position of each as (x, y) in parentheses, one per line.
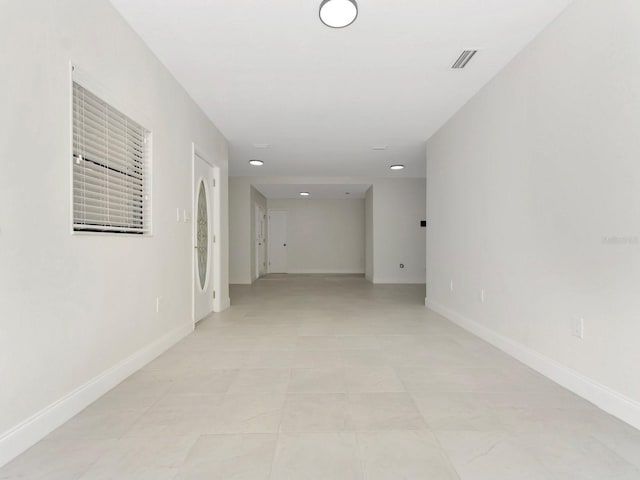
(110, 168)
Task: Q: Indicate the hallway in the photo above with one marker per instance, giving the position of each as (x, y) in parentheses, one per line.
(332, 378)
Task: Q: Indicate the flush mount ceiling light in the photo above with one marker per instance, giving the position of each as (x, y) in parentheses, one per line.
(396, 167)
(256, 163)
(304, 194)
(338, 13)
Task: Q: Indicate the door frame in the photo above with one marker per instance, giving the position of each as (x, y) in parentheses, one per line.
(269, 243)
(215, 274)
(258, 212)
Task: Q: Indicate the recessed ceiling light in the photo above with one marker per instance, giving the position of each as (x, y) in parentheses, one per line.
(396, 167)
(304, 194)
(256, 163)
(347, 193)
(338, 13)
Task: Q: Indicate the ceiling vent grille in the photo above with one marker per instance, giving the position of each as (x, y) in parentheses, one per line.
(464, 59)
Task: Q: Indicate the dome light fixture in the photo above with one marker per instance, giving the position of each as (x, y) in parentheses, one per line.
(256, 163)
(304, 194)
(396, 167)
(338, 13)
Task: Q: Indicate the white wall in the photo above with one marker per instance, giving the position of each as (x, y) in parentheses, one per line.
(324, 236)
(240, 238)
(73, 307)
(525, 184)
(397, 206)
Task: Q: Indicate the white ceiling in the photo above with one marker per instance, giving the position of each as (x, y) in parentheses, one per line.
(269, 72)
(317, 192)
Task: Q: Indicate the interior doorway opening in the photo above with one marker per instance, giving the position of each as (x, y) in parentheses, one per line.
(260, 241)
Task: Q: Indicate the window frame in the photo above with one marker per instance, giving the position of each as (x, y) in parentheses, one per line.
(87, 81)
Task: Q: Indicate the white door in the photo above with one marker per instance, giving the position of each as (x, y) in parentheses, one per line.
(263, 248)
(278, 242)
(261, 240)
(203, 235)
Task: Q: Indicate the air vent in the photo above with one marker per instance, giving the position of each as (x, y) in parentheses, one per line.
(464, 59)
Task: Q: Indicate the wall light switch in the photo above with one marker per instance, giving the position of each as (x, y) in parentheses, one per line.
(578, 328)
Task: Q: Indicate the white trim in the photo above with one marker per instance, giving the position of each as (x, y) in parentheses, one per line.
(378, 280)
(609, 400)
(224, 304)
(329, 271)
(32, 430)
(69, 164)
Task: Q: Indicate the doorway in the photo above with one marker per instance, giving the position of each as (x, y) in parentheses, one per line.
(261, 241)
(277, 242)
(206, 227)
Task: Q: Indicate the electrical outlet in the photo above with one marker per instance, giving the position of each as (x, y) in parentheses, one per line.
(578, 327)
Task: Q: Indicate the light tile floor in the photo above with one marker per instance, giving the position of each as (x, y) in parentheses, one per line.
(331, 378)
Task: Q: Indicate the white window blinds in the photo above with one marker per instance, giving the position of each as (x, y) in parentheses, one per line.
(110, 168)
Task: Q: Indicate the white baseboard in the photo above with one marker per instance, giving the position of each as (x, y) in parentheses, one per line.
(38, 426)
(226, 303)
(222, 305)
(609, 400)
(325, 271)
(397, 281)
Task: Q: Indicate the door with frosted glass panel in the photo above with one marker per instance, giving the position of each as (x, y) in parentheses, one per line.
(204, 287)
